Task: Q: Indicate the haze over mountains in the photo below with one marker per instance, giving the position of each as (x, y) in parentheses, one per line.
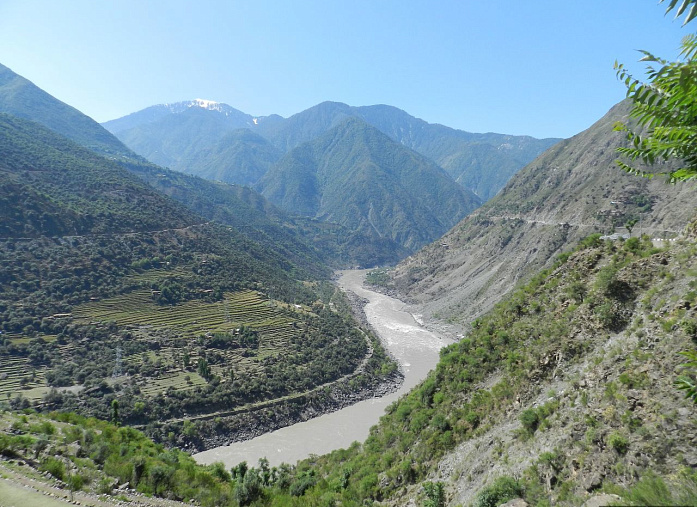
(170, 134)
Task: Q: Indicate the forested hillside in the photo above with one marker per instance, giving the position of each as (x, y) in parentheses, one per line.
(358, 177)
(112, 291)
(563, 391)
(20, 97)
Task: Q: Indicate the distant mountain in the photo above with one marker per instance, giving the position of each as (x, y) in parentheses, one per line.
(482, 163)
(155, 113)
(358, 177)
(175, 135)
(20, 97)
(306, 242)
(167, 135)
(240, 157)
(571, 191)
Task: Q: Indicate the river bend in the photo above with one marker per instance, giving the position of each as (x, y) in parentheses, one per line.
(414, 347)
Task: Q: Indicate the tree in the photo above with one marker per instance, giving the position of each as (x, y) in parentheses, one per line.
(666, 109)
(115, 412)
(682, 8)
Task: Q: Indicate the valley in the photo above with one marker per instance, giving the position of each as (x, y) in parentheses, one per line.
(414, 348)
(348, 306)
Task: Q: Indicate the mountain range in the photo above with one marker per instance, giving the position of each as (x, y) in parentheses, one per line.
(189, 136)
(358, 177)
(560, 387)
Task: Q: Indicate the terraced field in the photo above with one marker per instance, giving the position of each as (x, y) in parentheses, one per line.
(273, 322)
(191, 318)
(16, 377)
(178, 380)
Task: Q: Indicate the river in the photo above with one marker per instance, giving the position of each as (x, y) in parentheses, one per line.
(414, 347)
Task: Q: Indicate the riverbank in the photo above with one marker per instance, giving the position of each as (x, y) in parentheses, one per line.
(416, 350)
(215, 430)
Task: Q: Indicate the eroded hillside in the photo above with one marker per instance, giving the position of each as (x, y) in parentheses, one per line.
(572, 190)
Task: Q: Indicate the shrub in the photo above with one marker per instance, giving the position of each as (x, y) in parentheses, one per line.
(54, 467)
(530, 420)
(502, 490)
(618, 442)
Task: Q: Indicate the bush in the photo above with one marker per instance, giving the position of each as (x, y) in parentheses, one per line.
(502, 490)
(530, 420)
(54, 467)
(618, 442)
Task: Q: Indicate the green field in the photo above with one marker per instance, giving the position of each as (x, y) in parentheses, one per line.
(191, 321)
(16, 377)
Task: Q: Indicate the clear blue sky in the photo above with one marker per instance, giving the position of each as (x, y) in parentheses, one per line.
(536, 67)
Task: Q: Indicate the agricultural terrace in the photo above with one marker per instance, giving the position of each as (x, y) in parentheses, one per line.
(163, 362)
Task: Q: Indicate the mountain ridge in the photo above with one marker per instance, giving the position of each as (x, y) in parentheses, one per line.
(357, 176)
(479, 162)
(572, 190)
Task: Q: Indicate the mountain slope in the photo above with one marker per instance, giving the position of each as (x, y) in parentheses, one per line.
(240, 157)
(52, 186)
(94, 264)
(308, 243)
(564, 388)
(181, 135)
(20, 97)
(356, 176)
(481, 163)
(571, 191)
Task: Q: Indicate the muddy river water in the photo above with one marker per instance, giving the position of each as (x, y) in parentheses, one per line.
(414, 347)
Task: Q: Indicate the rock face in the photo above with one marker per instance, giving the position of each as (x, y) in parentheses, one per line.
(571, 191)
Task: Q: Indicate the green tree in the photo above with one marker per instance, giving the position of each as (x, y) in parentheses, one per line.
(115, 412)
(691, 13)
(665, 108)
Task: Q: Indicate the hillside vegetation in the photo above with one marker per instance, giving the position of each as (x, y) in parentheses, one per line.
(564, 390)
(572, 190)
(111, 291)
(20, 97)
(358, 177)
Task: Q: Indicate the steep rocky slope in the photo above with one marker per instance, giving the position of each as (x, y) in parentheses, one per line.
(572, 190)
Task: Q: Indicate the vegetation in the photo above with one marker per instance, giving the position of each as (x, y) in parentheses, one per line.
(368, 183)
(665, 107)
(112, 291)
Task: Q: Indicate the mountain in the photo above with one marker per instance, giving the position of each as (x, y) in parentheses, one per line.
(51, 186)
(241, 157)
(20, 97)
(175, 135)
(170, 136)
(95, 263)
(482, 163)
(358, 177)
(563, 394)
(156, 113)
(307, 242)
(572, 190)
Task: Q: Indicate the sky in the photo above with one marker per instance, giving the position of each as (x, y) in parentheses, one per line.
(538, 67)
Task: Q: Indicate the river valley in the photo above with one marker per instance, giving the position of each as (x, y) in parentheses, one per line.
(414, 347)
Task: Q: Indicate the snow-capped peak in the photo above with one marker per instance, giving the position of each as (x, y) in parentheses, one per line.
(205, 104)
